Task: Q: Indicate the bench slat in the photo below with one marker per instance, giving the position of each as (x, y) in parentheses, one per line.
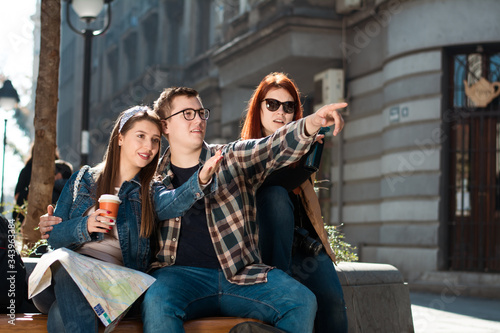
(35, 322)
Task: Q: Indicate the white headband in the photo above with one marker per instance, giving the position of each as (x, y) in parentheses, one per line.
(130, 113)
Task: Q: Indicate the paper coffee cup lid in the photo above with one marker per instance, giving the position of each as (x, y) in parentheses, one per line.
(109, 197)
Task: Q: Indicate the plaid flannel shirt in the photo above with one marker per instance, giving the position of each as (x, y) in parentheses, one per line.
(230, 210)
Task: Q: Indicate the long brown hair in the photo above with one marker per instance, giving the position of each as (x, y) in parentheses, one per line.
(252, 126)
(111, 161)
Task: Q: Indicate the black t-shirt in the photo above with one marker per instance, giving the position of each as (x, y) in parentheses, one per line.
(195, 244)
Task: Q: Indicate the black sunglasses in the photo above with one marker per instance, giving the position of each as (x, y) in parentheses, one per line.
(189, 114)
(273, 105)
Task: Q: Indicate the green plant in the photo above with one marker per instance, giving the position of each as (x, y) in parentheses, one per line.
(343, 250)
(20, 210)
(25, 250)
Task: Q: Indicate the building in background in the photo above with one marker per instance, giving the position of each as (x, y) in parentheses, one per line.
(414, 175)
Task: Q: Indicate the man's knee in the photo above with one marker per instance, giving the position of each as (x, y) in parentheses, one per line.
(151, 297)
(308, 300)
(301, 296)
(156, 299)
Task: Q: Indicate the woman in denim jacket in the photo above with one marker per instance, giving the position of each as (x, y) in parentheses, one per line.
(127, 171)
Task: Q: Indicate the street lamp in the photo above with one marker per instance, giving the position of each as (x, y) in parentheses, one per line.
(87, 11)
(8, 101)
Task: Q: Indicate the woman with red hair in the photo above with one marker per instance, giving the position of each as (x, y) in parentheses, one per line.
(291, 229)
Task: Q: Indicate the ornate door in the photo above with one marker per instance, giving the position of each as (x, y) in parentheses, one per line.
(474, 160)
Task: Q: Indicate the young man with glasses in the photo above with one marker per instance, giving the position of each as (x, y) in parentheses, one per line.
(208, 261)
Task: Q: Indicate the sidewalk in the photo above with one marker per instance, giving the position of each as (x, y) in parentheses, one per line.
(435, 313)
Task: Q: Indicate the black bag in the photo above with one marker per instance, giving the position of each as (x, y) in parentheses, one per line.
(13, 286)
(254, 327)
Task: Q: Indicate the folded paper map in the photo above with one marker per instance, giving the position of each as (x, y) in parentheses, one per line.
(110, 289)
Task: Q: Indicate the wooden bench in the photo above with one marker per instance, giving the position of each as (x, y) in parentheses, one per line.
(35, 322)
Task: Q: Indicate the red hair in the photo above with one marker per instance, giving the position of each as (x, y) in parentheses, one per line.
(252, 127)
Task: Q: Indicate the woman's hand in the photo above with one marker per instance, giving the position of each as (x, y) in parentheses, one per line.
(319, 138)
(210, 167)
(47, 221)
(326, 116)
(97, 223)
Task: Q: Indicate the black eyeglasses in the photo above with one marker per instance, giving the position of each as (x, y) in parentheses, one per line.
(273, 105)
(189, 114)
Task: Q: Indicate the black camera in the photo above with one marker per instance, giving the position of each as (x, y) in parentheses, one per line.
(303, 242)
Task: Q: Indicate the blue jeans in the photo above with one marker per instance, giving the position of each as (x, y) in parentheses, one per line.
(71, 312)
(182, 293)
(44, 300)
(319, 275)
(276, 228)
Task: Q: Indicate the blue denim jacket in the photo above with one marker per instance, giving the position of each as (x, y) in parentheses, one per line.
(72, 231)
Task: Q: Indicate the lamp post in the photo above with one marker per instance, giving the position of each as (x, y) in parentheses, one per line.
(87, 11)
(8, 101)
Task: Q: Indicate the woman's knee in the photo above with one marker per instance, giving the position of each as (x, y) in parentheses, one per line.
(59, 274)
(54, 320)
(44, 300)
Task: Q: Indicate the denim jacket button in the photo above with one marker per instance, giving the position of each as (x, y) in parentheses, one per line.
(177, 219)
(174, 239)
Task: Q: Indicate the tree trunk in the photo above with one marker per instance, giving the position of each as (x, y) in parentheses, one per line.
(42, 176)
